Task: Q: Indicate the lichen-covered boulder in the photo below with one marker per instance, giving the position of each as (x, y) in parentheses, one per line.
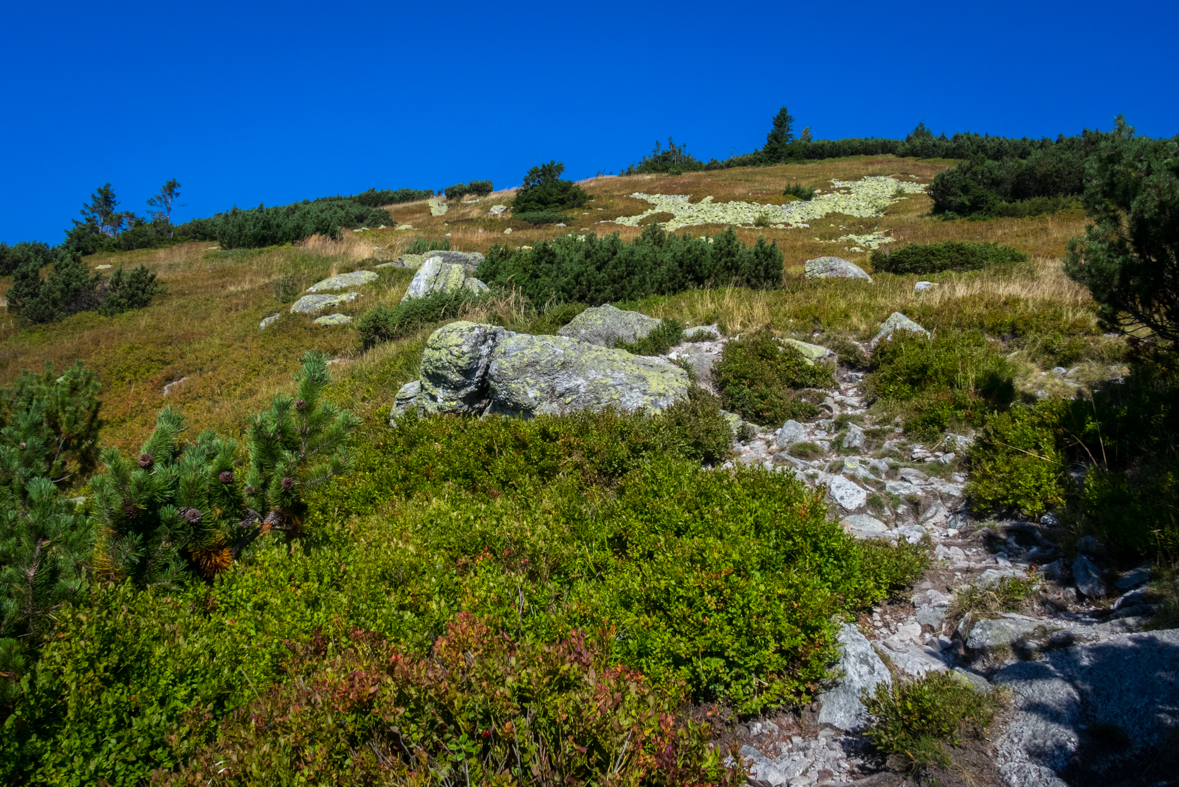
(333, 319)
(268, 321)
(811, 352)
(317, 302)
(454, 368)
(434, 277)
(555, 374)
(605, 325)
(833, 268)
(437, 206)
(474, 286)
(897, 322)
(497, 209)
(405, 399)
(470, 260)
(411, 261)
(344, 281)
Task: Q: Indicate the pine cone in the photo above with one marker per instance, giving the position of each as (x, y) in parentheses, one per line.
(301, 404)
(288, 483)
(250, 490)
(192, 515)
(129, 509)
(226, 477)
(146, 461)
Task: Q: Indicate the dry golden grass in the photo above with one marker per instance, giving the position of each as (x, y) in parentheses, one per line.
(205, 328)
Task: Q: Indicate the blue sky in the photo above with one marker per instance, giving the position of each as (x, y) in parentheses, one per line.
(265, 102)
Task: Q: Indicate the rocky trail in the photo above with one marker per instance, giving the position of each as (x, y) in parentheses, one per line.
(1073, 660)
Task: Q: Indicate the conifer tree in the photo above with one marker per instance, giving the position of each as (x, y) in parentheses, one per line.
(777, 147)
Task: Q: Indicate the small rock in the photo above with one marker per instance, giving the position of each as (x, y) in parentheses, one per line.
(791, 432)
(833, 267)
(317, 302)
(896, 322)
(497, 209)
(268, 321)
(864, 526)
(855, 437)
(344, 281)
(922, 286)
(333, 319)
(861, 669)
(1087, 577)
(845, 492)
(1134, 577)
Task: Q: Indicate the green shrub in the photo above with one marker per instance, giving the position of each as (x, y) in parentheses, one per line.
(262, 226)
(915, 719)
(1134, 513)
(387, 323)
(805, 450)
(756, 375)
(675, 160)
(800, 191)
(68, 289)
(666, 335)
(945, 256)
(425, 245)
(287, 288)
(479, 188)
(700, 335)
(608, 270)
(375, 198)
(955, 377)
(129, 291)
(1016, 463)
(695, 428)
(983, 187)
(544, 191)
(539, 217)
(27, 254)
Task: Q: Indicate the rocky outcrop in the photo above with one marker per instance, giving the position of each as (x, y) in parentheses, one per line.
(833, 268)
(605, 325)
(896, 322)
(435, 277)
(476, 369)
(343, 281)
(317, 302)
(860, 670)
(554, 374)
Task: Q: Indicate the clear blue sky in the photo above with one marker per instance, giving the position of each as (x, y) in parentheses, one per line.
(273, 102)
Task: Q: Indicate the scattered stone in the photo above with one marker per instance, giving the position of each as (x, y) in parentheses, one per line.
(849, 495)
(864, 526)
(405, 226)
(833, 268)
(437, 206)
(317, 302)
(333, 319)
(987, 635)
(411, 261)
(1134, 577)
(475, 286)
(855, 437)
(811, 352)
(470, 260)
(896, 322)
(605, 325)
(405, 399)
(1087, 577)
(497, 209)
(972, 679)
(435, 277)
(1089, 545)
(922, 286)
(344, 281)
(860, 669)
(268, 321)
(175, 383)
(791, 432)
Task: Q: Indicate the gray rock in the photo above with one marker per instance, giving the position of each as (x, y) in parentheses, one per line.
(1089, 545)
(474, 286)
(1128, 682)
(470, 260)
(913, 659)
(972, 679)
(1087, 577)
(437, 206)
(554, 374)
(310, 304)
(1134, 577)
(810, 352)
(344, 281)
(791, 432)
(497, 209)
(860, 669)
(993, 576)
(411, 261)
(454, 368)
(864, 526)
(987, 635)
(855, 437)
(405, 399)
(605, 325)
(435, 277)
(268, 321)
(845, 492)
(912, 475)
(833, 268)
(333, 319)
(896, 322)
(922, 286)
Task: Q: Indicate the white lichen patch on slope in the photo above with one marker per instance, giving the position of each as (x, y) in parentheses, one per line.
(873, 240)
(865, 198)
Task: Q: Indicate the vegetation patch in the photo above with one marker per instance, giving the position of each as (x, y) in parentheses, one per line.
(915, 720)
(387, 323)
(659, 341)
(758, 377)
(948, 255)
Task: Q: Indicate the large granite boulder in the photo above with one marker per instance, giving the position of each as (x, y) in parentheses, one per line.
(317, 302)
(344, 281)
(555, 374)
(860, 670)
(605, 325)
(454, 368)
(470, 260)
(1091, 713)
(435, 277)
(833, 268)
(437, 206)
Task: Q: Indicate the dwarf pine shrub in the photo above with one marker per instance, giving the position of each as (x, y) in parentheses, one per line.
(262, 226)
(387, 323)
(480, 188)
(948, 255)
(545, 191)
(69, 289)
(666, 335)
(26, 254)
(540, 217)
(758, 377)
(424, 245)
(609, 270)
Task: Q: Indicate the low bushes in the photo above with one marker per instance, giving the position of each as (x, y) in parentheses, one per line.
(24, 255)
(480, 188)
(262, 226)
(1050, 178)
(605, 270)
(386, 323)
(539, 217)
(945, 256)
(424, 245)
(544, 191)
(757, 375)
(69, 288)
(800, 191)
(375, 198)
(916, 719)
(666, 335)
(957, 377)
(1017, 462)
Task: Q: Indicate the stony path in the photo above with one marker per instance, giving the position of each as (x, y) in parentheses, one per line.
(882, 486)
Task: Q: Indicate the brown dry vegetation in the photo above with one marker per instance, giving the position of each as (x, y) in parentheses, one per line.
(205, 328)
